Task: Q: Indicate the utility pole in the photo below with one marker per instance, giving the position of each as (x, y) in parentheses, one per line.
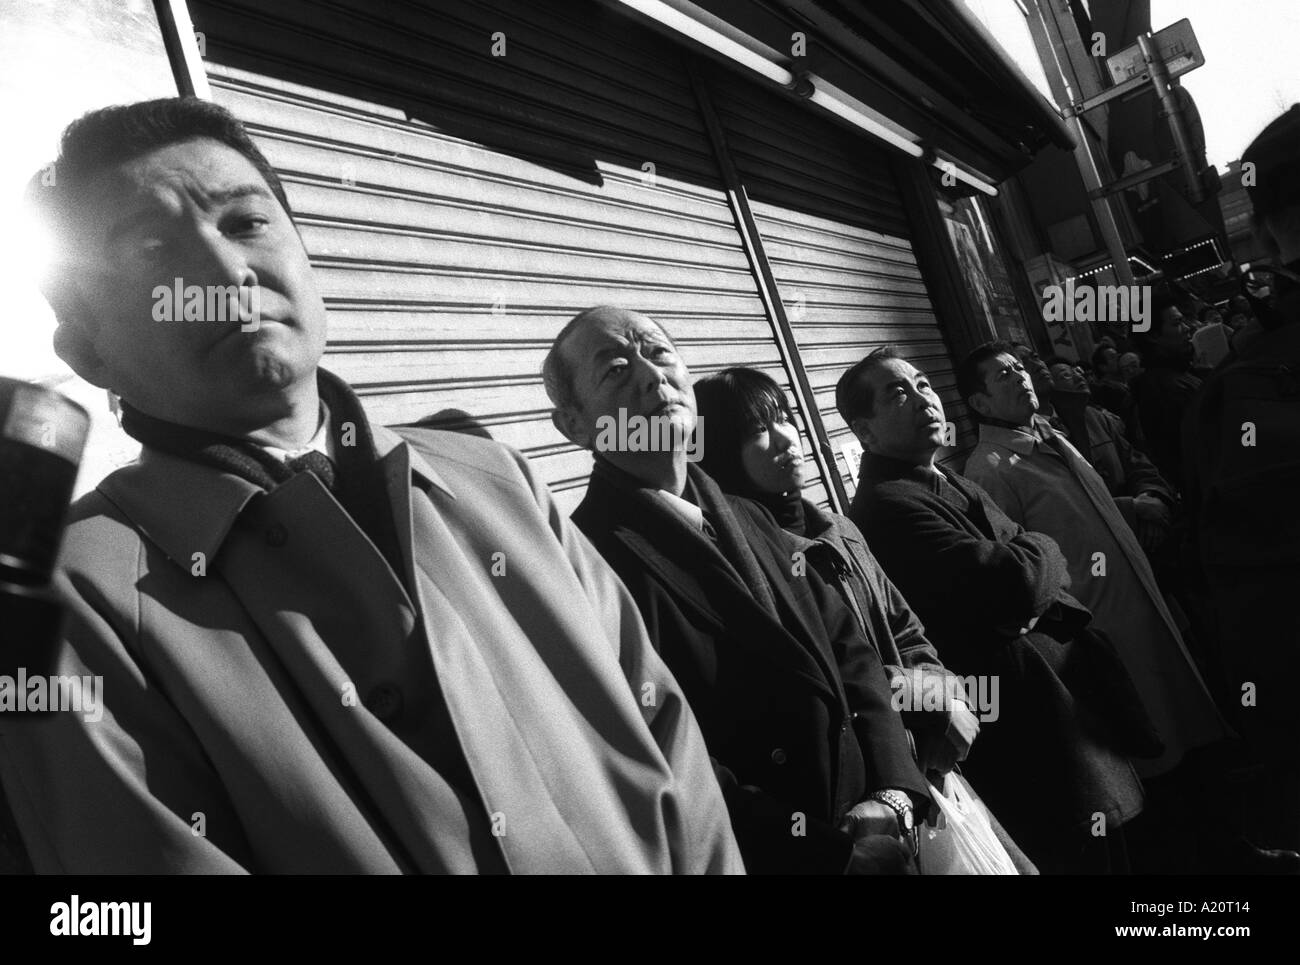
(1173, 110)
(1072, 75)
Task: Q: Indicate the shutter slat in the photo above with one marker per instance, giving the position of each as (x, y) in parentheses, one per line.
(460, 208)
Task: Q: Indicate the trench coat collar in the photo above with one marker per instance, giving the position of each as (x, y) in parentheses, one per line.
(708, 584)
(186, 507)
(820, 530)
(1020, 441)
(386, 440)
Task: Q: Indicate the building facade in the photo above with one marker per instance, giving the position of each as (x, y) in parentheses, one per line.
(468, 175)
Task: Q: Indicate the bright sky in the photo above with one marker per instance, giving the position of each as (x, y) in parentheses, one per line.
(1250, 74)
(58, 60)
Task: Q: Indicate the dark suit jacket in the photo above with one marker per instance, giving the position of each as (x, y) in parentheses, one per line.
(795, 707)
(1045, 766)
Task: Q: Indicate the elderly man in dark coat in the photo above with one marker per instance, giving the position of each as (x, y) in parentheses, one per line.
(1053, 766)
(795, 707)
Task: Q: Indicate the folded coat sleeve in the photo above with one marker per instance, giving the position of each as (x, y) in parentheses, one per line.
(702, 838)
(120, 794)
(995, 582)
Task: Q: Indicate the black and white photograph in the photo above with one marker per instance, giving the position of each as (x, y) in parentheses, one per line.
(647, 437)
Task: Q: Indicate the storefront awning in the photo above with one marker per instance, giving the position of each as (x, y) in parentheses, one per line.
(925, 71)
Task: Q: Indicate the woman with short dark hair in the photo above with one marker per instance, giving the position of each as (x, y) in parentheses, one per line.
(750, 446)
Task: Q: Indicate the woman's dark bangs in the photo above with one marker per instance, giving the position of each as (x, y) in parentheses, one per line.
(762, 400)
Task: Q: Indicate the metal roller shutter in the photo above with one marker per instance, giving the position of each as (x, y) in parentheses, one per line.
(835, 233)
(460, 207)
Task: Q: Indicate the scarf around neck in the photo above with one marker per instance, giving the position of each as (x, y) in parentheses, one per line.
(731, 543)
(788, 508)
(358, 482)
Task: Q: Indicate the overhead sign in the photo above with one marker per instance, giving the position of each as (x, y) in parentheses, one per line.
(1176, 45)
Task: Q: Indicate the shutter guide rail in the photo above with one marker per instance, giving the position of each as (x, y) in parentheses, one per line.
(770, 294)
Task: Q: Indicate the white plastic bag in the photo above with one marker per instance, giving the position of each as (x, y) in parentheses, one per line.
(963, 842)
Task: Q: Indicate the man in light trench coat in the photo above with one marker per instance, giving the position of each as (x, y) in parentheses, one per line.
(325, 646)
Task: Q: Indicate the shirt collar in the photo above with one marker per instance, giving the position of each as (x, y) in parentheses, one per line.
(322, 441)
(186, 507)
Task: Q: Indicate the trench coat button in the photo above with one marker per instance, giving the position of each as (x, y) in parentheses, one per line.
(276, 535)
(778, 756)
(385, 702)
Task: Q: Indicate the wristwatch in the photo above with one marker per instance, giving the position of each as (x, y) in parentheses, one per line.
(901, 805)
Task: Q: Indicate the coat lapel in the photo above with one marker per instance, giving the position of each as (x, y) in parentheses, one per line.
(481, 685)
(339, 622)
(1104, 504)
(710, 586)
(813, 639)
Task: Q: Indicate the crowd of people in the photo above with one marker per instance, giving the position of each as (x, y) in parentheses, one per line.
(329, 645)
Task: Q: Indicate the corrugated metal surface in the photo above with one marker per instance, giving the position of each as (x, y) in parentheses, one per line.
(835, 233)
(460, 207)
